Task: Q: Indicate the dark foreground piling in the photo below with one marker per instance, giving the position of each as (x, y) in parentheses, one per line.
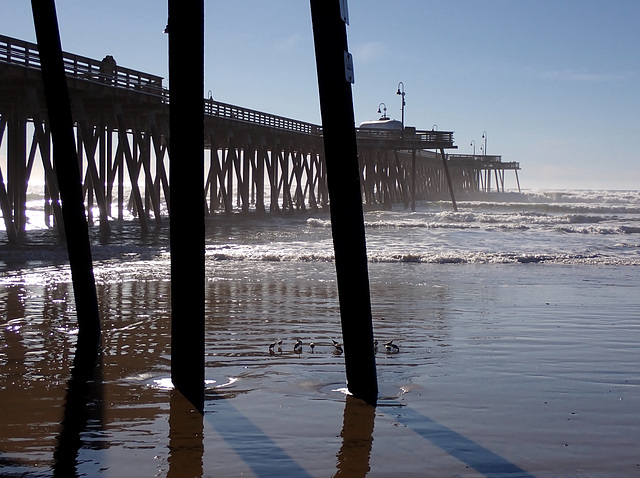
(186, 209)
(343, 178)
(65, 161)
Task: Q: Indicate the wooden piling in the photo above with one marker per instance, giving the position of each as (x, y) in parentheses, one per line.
(186, 180)
(67, 169)
(343, 177)
(17, 171)
(448, 176)
(5, 203)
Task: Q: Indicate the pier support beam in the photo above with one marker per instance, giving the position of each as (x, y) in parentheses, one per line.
(448, 176)
(5, 203)
(65, 160)
(186, 180)
(343, 177)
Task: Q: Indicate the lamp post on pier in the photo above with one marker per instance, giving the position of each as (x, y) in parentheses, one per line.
(484, 136)
(473, 143)
(401, 93)
(382, 111)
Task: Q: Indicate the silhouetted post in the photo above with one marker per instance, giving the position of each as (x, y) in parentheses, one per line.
(65, 161)
(186, 178)
(448, 176)
(413, 180)
(343, 179)
(7, 214)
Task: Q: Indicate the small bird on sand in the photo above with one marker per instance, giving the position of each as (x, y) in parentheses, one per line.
(271, 346)
(312, 345)
(297, 348)
(391, 347)
(279, 342)
(337, 348)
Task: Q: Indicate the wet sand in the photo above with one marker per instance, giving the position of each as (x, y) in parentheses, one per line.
(507, 370)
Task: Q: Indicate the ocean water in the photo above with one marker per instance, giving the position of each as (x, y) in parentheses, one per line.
(517, 318)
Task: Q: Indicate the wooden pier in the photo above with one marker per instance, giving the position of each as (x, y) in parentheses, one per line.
(254, 161)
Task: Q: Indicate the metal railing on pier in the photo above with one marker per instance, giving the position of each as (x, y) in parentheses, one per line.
(236, 113)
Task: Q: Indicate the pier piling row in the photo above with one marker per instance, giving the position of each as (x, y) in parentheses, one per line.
(254, 161)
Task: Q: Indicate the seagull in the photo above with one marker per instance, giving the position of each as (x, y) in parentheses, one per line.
(279, 342)
(337, 348)
(391, 347)
(297, 348)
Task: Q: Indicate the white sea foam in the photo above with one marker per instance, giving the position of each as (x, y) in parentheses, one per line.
(571, 226)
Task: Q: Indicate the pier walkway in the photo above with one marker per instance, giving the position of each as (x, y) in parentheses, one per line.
(255, 161)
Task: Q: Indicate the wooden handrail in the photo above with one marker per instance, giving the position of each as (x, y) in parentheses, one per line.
(25, 54)
(236, 113)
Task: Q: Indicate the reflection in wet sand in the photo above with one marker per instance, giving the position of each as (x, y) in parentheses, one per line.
(185, 438)
(357, 439)
(84, 404)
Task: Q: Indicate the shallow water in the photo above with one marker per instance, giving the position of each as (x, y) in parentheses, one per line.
(506, 367)
(528, 367)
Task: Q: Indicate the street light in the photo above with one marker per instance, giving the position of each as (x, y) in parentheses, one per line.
(473, 143)
(401, 93)
(484, 136)
(383, 111)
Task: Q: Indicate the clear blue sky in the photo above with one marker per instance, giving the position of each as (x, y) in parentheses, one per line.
(555, 84)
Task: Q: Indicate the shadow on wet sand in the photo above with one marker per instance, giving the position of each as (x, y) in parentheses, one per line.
(267, 459)
(467, 451)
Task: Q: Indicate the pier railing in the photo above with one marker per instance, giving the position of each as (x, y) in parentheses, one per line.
(236, 113)
(488, 161)
(409, 135)
(25, 54)
(21, 53)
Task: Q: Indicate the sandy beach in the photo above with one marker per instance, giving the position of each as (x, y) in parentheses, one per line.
(506, 370)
